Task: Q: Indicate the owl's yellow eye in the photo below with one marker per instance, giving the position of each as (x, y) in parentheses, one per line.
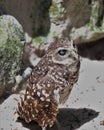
(62, 52)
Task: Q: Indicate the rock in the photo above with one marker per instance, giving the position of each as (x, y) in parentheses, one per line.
(33, 16)
(89, 32)
(66, 14)
(78, 12)
(76, 19)
(11, 35)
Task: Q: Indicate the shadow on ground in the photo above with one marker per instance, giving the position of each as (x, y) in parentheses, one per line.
(68, 119)
(3, 98)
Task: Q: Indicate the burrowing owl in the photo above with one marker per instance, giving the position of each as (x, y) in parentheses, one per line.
(50, 83)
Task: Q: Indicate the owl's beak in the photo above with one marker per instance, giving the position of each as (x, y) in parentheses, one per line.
(74, 55)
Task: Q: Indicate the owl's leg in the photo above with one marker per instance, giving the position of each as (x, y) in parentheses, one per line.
(64, 96)
(56, 126)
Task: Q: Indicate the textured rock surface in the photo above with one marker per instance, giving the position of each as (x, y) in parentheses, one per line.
(76, 19)
(78, 12)
(90, 31)
(11, 34)
(66, 14)
(32, 15)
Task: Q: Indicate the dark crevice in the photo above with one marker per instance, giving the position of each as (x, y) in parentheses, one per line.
(93, 50)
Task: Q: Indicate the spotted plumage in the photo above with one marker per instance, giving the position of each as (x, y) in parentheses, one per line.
(50, 83)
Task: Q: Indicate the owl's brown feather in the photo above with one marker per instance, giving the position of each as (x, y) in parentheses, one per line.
(50, 83)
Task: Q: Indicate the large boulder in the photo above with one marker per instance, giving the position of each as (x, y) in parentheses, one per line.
(11, 35)
(33, 15)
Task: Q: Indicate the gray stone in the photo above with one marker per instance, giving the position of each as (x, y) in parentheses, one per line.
(11, 34)
(89, 32)
(33, 15)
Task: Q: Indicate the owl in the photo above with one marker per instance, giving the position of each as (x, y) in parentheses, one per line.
(50, 83)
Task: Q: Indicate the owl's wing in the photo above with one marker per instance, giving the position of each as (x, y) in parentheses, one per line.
(38, 72)
(39, 103)
(71, 78)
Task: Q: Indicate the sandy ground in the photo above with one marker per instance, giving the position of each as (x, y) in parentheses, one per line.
(83, 110)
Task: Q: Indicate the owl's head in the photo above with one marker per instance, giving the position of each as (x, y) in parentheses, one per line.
(63, 52)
